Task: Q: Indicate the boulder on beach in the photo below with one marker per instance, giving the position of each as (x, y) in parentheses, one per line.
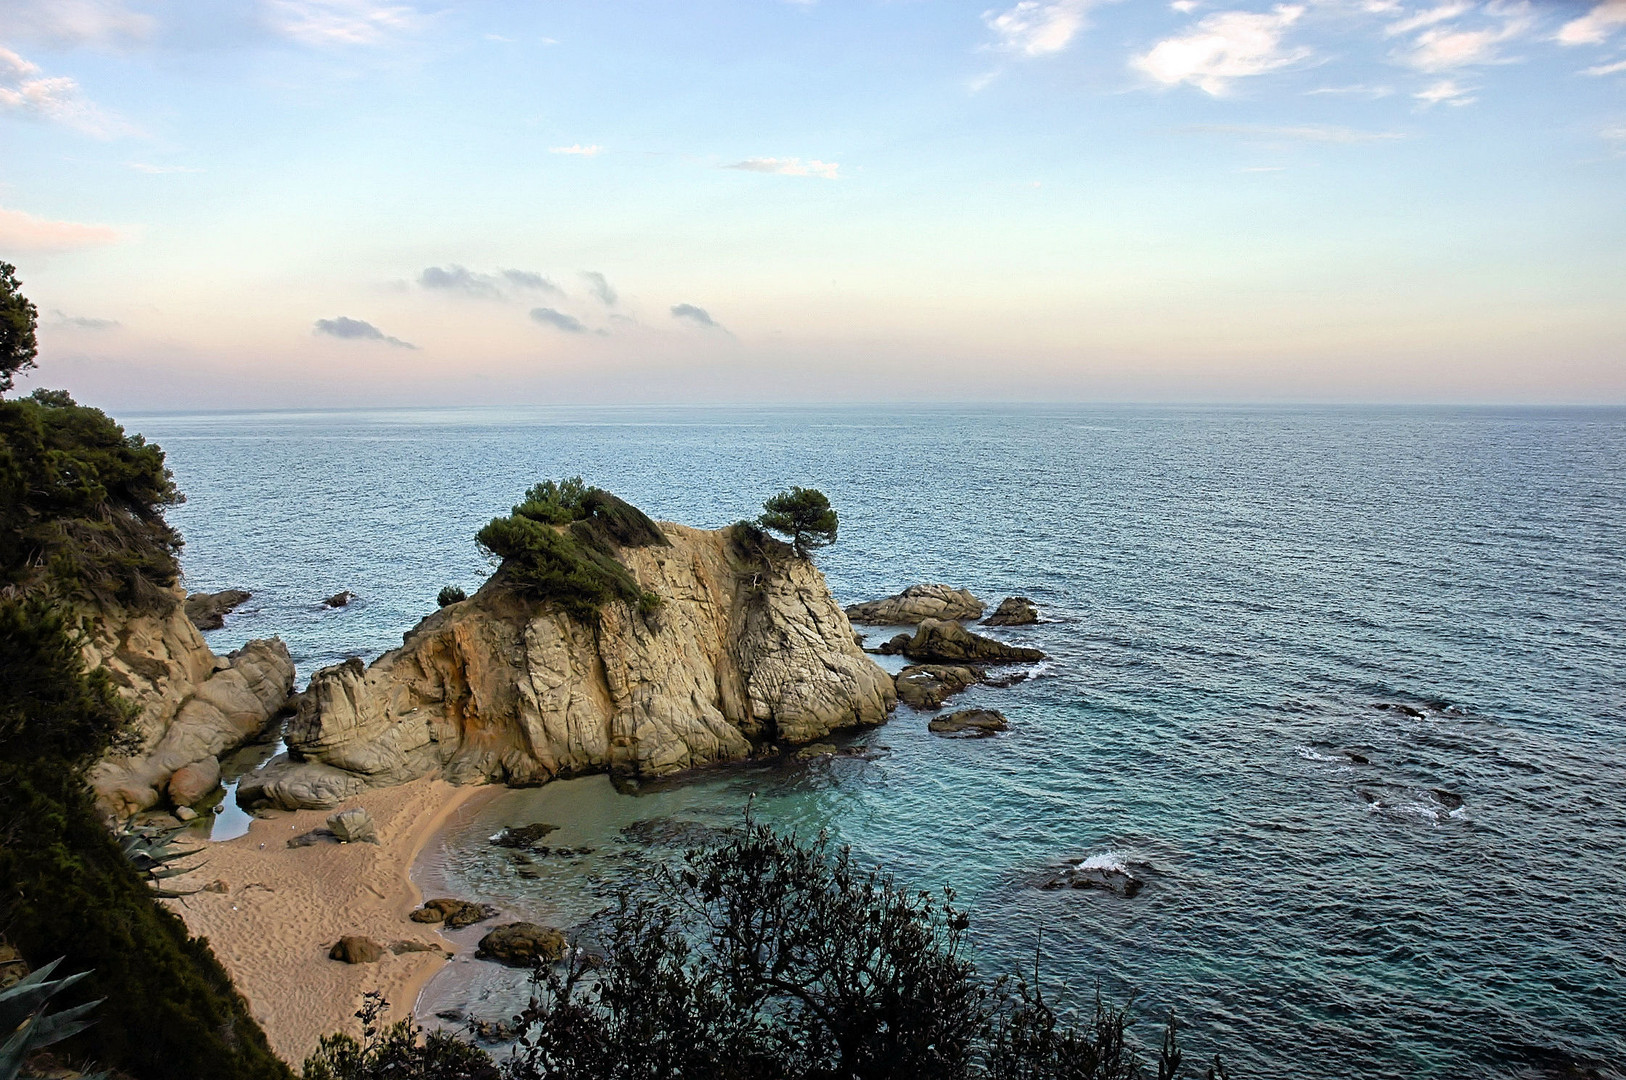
(522, 944)
(353, 826)
(969, 724)
(190, 783)
(915, 604)
(208, 611)
(1013, 611)
(941, 641)
(456, 914)
(356, 950)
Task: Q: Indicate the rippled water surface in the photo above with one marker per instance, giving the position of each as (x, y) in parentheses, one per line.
(1335, 889)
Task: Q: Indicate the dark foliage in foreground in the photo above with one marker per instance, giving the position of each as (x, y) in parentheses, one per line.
(802, 514)
(82, 506)
(450, 595)
(560, 545)
(18, 318)
(773, 958)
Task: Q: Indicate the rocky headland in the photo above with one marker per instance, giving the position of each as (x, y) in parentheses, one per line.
(743, 647)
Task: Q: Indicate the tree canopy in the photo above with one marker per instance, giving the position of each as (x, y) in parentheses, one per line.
(18, 318)
(804, 516)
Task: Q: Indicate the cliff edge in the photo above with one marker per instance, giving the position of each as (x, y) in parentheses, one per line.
(746, 647)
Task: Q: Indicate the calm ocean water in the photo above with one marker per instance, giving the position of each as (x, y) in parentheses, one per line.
(1230, 594)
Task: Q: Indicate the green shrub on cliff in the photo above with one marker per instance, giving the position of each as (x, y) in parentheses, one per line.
(82, 506)
(560, 546)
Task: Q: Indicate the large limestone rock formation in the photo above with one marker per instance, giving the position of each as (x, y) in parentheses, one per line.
(745, 649)
(916, 604)
(193, 705)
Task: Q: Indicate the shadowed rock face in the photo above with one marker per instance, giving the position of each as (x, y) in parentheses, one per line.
(939, 641)
(208, 611)
(1013, 611)
(917, 603)
(193, 705)
(741, 651)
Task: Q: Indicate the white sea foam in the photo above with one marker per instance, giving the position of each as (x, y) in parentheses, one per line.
(1107, 860)
(1310, 755)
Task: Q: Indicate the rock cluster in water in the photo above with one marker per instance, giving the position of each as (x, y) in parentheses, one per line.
(743, 650)
(941, 641)
(208, 611)
(916, 604)
(1013, 611)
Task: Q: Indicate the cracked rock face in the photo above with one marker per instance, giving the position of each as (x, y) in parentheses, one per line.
(193, 705)
(741, 652)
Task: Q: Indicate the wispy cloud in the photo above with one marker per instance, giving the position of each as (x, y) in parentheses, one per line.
(1321, 133)
(1429, 17)
(697, 315)
(600, 286)
(1446, 92)
(160, 170)
(828, 170)
(350, 329)
(459, 279)
(558, 320)
(1596, 26)
(1616, 68)
(528, 279)
(27, 91)
(1356, 90)
(1224, 47)
(25, 232)
(578, 149)
(340, 22)
(1443, 48)
(81, 322)
(1039, 27)
(70, 24)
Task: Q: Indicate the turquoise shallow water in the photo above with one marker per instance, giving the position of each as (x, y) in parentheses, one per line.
(1230, 594)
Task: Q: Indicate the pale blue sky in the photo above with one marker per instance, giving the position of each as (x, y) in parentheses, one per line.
(303, 202)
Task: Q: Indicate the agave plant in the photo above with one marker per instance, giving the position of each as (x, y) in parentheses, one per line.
(29, 1027)
(155, 855)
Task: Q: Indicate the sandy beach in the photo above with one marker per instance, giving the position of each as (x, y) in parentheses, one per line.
(284, 907)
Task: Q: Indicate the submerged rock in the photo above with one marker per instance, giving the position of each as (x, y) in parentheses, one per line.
(356, 950)
(927, 686)
(456, 914)
(938, 641)
(1013, 611)
(523, 836)
(522, 944)
(1113, 879)
(969, 723)
(208, 611)
(340, 599)
(916, 604)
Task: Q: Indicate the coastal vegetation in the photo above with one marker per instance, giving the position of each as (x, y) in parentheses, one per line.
(559, 546)
(18, 317)
(82, 525)
(450, 595)
(772, 957)
(804, 516)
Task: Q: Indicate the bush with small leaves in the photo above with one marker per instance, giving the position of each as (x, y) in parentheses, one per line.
(450, 595)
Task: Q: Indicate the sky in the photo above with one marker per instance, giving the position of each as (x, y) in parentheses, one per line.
(227, 204)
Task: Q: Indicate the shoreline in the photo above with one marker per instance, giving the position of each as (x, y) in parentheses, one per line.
(284, 907)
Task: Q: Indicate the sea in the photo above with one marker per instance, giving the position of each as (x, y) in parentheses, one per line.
(1346, 687)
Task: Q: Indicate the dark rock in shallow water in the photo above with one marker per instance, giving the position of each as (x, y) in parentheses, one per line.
(926, 686)
(340, 599)
(675, 833)
(523, 836)
(522, 944)
(208, 611)
(400, 947)
(1357, 759)
(894, 645)
(938, 641)
(1113, 879)
(916, 603)
(969, 724)
(1404, 710)
(456, 914)
(1013, 611)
